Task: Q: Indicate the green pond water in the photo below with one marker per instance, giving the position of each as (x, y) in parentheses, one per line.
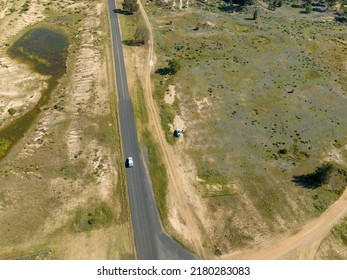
(45, 51)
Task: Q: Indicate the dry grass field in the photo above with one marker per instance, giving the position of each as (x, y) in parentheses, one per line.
(262, 104)
(62, 188)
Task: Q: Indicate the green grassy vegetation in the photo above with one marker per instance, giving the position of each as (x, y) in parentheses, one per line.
(215, 190)
(157, 172)
(338, 239)
(138, 102)
(95, 214)
(323, 198)
(155, 164)
(34, 57)
(261, 101)
(340, 231)
(4, 146)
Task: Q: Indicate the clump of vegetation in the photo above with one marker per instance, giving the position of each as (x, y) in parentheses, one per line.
(130, 6)
(156, 166)
(59, 106)
(4, 146)
(140, 37)
(340, 231)
(34, 57)
(141, 34)
(274, 4)
(25, 6)
(255, 15)
(174, 65)
(12, 111)
(308, 9)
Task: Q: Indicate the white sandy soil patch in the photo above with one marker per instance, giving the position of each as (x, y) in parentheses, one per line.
(19, 88)
(170, 94)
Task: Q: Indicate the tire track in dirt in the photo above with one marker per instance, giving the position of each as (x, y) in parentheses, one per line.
(301, 245)
(167, 154)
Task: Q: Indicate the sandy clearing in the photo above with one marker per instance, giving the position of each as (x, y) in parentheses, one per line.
(170, 93)
(19, 88)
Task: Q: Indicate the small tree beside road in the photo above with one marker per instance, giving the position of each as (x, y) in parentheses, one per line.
(130, 6)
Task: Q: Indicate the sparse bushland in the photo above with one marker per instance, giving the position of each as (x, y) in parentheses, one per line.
(252, 133)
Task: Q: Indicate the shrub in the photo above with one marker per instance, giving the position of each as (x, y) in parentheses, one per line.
(308, 9)
(130, 6)
(12, 111)
(255, 15)
(174, 65)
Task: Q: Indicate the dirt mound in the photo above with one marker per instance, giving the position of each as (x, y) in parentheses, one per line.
(206, 24)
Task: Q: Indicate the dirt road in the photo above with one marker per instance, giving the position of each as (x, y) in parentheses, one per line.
(168, 155)
(302, 245)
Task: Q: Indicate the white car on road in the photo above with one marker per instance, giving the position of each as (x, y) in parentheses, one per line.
(129, 162)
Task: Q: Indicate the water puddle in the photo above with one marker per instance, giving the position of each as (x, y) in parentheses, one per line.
(45, 51)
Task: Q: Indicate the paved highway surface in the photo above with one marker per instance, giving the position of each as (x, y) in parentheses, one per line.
(150, 240)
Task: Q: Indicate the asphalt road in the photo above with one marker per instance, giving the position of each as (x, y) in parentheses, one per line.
(150, 240)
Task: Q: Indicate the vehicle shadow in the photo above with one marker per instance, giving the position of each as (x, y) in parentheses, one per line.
(122, 12)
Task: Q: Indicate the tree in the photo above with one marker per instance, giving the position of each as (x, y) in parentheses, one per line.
(319, 177)
(255, 15)
(130, 6)
(273, 5)
(174, 65)
(322, 174)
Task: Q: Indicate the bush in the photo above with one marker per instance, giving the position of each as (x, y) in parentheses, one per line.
(255, 15)
(141, 34)
(12, 111)
(130, 6)
(308, 9)
(174, 65)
